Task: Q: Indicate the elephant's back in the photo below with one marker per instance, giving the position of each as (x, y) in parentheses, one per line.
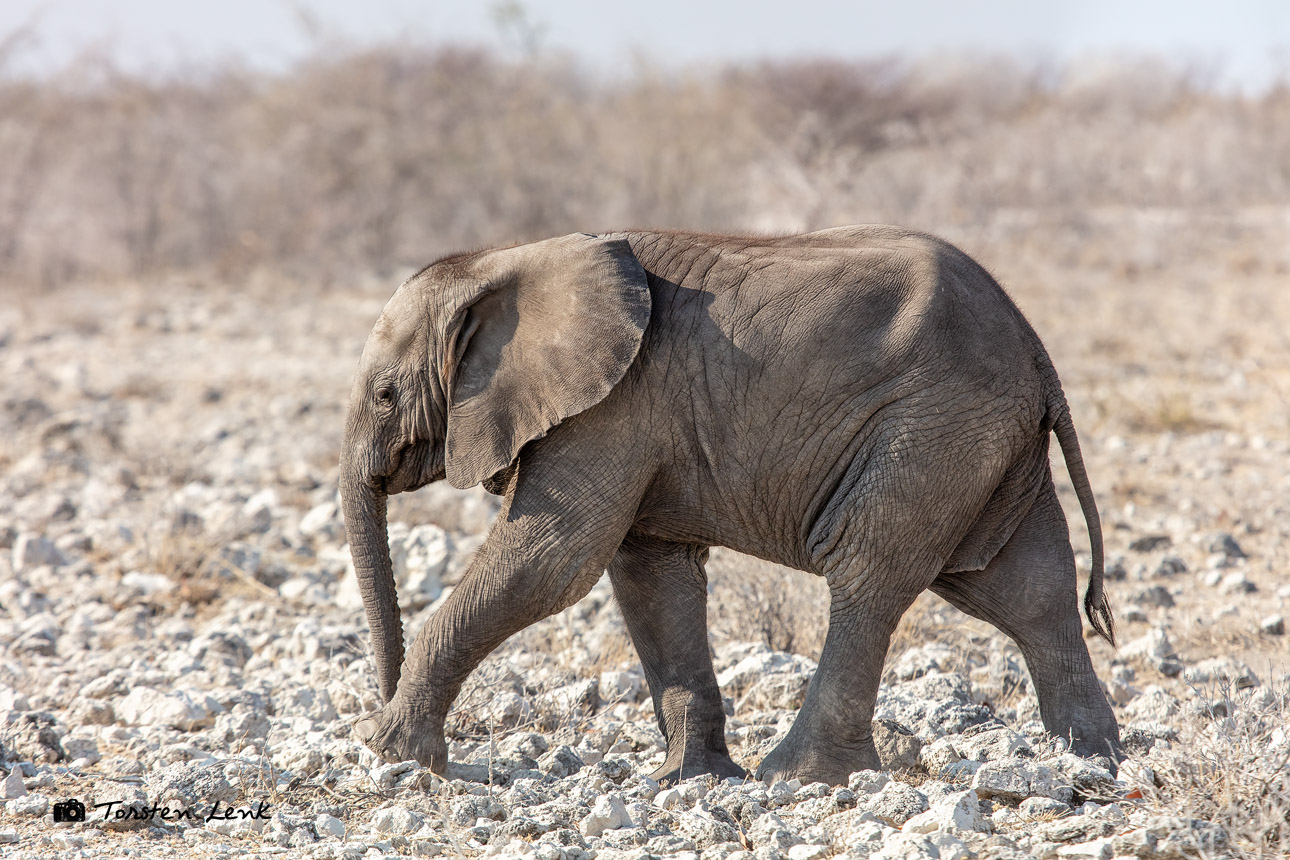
(859, 302)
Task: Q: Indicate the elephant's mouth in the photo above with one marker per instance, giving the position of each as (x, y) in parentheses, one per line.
(413, 469)
(424, 480)
(410, 486)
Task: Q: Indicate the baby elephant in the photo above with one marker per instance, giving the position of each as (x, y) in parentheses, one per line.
(863, 403)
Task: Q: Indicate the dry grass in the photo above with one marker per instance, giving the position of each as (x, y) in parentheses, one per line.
(756, 601)
(1232, 769)
(375, 161)
(1167, 413)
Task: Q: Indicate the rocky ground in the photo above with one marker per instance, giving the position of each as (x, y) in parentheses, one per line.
(180, 632)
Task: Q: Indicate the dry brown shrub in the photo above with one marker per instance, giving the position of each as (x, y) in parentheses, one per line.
(756, 601)
(375, 160)
(1232, 768)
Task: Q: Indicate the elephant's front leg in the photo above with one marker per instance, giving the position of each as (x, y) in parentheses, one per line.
(543, 555)
(503, 592)
(662, 590)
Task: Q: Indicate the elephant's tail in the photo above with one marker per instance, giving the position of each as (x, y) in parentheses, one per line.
(1096, 606)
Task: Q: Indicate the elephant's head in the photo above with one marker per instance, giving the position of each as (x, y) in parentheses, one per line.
(472, 358)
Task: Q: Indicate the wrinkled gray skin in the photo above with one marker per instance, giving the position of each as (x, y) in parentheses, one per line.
(863, 403)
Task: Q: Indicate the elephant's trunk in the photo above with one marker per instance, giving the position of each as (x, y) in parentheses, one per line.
(369, 545)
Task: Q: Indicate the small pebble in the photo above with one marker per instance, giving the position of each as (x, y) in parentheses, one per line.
(1150, 543)
(1042, 807)
(1134, 614)
(1238, 583)
(329, 825)
(13, 786)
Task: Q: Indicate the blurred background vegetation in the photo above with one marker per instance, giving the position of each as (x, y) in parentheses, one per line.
(371, 161)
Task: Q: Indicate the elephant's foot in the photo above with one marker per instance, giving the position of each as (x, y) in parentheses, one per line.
(1103, 744)
(395, 737)
(1080, 713)
(681, 765)
(812, 759)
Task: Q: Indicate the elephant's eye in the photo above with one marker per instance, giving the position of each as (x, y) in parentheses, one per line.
(384, 395)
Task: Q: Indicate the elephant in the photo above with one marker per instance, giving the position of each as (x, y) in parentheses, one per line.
(863, 403)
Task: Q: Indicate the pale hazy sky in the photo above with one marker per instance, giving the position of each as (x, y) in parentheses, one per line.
(1249, 40)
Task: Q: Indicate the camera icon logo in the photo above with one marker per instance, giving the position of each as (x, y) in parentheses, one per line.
(69, 810)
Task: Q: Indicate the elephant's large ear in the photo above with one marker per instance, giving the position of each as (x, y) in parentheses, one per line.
(551, 329)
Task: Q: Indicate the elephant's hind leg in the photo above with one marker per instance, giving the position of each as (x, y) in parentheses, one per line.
(662, 590)
(1030, 592)
(832, 736)
(899, 512)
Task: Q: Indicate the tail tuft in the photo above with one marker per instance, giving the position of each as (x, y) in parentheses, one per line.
(1098, 610)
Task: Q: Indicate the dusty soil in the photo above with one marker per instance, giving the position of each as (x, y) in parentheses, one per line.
(176, 626)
